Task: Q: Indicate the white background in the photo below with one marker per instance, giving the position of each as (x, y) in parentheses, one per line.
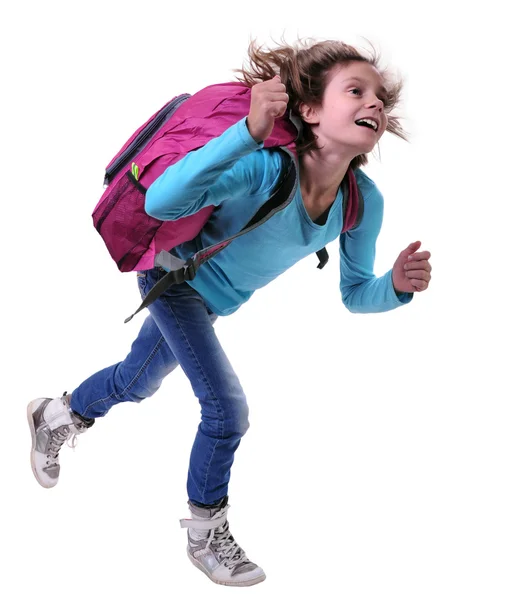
(387, 453)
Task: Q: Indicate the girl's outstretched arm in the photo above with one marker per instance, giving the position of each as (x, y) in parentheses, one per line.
(361, 290)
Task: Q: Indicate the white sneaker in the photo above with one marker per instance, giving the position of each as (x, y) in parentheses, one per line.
(52, 422)
(212, 549)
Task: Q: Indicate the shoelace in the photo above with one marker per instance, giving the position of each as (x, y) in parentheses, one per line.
(72, 442)
(58, 437)
(222, 539)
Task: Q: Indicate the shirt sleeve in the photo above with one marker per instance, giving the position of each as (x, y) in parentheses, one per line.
(362, 291)
(207, 176)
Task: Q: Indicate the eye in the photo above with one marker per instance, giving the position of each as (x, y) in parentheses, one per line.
(383, 99)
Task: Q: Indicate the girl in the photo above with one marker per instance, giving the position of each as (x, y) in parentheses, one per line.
(344, 102)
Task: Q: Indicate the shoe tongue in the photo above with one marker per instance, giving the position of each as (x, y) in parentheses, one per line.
(198, 534)
(200, 513)
(201, 534)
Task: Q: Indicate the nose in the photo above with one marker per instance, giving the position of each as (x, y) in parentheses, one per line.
(375, 102)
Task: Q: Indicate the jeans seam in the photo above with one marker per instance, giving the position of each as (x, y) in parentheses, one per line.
(208, 469)
(211, 391)
(134, 379)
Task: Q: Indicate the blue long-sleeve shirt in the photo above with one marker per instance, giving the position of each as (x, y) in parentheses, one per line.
(236, 174)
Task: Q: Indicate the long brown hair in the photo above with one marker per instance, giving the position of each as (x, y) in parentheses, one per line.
(303, 69)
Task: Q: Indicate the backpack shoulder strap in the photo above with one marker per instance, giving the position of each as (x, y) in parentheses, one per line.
(352, 210)
(353, 203)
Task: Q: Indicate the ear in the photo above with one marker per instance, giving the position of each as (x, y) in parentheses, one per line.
(308, 113)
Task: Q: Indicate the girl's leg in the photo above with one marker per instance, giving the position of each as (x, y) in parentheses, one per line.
(54, 420)
(137, 377)
(186, 324)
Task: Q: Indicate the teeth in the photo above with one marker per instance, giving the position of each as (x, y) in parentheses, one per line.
(369, 122)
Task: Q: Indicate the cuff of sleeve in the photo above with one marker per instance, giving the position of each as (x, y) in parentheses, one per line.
(399, 297)
(247, 139)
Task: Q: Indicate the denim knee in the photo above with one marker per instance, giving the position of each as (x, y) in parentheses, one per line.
(226, 424)
(242, 422)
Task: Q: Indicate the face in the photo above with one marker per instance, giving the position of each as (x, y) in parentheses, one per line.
(354, 91)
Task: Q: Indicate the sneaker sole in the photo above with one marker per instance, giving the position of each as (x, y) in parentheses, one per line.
(33, 446)
(229, 583)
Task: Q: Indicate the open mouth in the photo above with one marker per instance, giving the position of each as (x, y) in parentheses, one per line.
(368, 123)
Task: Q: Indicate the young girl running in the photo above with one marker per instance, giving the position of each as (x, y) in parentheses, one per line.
(344, 103)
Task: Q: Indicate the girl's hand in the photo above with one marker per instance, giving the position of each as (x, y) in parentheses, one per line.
(268, 102)
(411, 271)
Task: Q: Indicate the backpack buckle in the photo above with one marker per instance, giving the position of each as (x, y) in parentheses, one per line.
(189, 269)
(184, 270)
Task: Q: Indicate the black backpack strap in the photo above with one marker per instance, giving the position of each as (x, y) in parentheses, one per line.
(323, 255)
(182, 271)
(179, 270)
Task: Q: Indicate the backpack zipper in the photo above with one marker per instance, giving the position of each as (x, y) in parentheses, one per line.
(137, 144)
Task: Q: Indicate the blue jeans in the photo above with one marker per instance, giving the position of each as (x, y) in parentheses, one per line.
(179, 330)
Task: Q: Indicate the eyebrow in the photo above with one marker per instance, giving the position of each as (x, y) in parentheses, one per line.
(353, 78)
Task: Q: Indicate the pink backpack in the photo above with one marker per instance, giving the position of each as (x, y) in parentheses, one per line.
(137, 241)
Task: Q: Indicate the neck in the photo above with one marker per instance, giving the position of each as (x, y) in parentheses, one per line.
(321, 175)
